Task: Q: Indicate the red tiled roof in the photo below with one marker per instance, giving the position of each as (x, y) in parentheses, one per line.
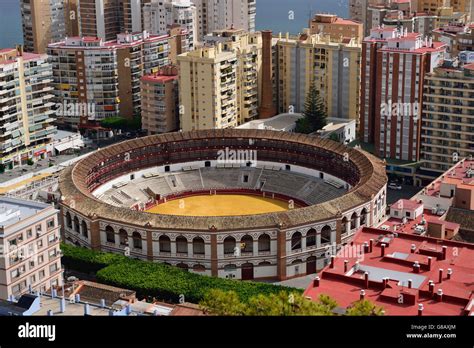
(406, 204)
(345, 287)
(159, 78)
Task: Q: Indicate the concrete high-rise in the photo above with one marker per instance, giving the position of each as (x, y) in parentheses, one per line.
(159, 101)
(160, 15)
(394, 64)
(103, 77)
(29, 237)
(47, 21)
(26, 107)
(224, 14)
(448, 115)
(333, 65)
(220, 82)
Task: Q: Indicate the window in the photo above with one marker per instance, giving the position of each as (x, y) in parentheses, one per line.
(41, 274)
(39, 243)
(137, 240)
(38, 228)
(229, 245)
(29, 233)
(311, 238)
(264, 243)
(246, 244)
(40, 259)
(326, 235)
(296, 241)
(110, 234)
(198, 246)
(165, 244)
(181, 245)
(123, 237)
(51, 238)
(53, 268)
(50, 224)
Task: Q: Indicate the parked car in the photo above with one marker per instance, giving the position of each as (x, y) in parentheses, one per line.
(394, 186)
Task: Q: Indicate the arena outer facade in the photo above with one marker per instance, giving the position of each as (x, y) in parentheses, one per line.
(280, 245)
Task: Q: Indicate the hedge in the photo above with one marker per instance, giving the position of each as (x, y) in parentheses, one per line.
(86, 260)
(152, 279)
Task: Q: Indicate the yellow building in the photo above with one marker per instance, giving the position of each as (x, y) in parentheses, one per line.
(431, 6)
(220, 83)
(333, 64)
(448, 116)
(336, 27)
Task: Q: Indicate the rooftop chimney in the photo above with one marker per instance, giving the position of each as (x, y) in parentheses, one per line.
(416, 267)
(267, 108)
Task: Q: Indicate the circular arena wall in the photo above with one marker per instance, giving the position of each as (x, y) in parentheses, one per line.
(276, 245)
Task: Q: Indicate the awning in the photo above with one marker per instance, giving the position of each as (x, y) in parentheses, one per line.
(69, 145)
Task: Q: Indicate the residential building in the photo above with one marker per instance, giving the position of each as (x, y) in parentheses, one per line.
(451, 196)
(448, 115)
(159, 16)
(431, 6)
(334, 65)
(424, 23)
(160, 101)
(221, 81)
(26, 107)
(95, 79)
(358, 10)
(29, 233)
(343, 131)
(106, 19)
(401, 272)
(394, 64)
(336, 27)
(223, 14)
(46, 21)
(101, 18)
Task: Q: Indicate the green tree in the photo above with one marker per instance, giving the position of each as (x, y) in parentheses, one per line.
(303, 126)
(218, 302)
(121, 123)
(314, 110)
(284, 303)
(364, 308)
(334, 137)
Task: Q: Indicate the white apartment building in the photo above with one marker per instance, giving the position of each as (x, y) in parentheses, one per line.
(29, 238)
(26, 107)
(224, 14)
(160, 15)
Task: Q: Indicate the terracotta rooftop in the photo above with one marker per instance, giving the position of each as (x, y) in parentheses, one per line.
(394, 294)
(456, 175)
